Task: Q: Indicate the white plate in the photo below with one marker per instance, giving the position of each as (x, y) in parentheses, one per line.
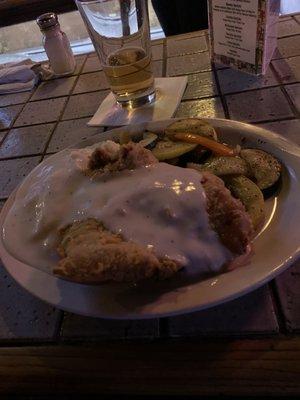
(276, 247)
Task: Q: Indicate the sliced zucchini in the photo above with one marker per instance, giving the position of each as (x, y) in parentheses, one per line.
(192, 125)
(264, 167)
(250, 195)
(166, 149)
(198, 156)
(174, 161)
(221, 165)
(149, 140)
(126, 137)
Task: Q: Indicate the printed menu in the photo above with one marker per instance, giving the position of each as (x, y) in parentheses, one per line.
(243, 32)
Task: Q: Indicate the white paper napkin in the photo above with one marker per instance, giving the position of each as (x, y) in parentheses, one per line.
(169, 92)
(21, 76)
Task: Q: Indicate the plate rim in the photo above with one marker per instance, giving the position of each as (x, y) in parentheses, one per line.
(285, 145)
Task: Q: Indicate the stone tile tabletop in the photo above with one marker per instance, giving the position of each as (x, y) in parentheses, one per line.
(288, 69)
(80, 60)
(157, 52)
(23, 316)
(26, 141)
(13, 172)
(91, 82)
(294, 94)
(83, 105)
(188, 64)
(8, 114)
(288, 47)
(54, 116)
(289, 129)
(157, 67)
(68, 133)
(178, 46)
(235, 317)
(77, 327)
(92, 64)
(289, 27)
(236, 81)
(259, 105)
(14, 98)
(54, 88)
(288, 286)
(38, 112)
(205, 107)
(200, 85)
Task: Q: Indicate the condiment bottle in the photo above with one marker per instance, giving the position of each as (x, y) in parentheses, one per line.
(56, 44)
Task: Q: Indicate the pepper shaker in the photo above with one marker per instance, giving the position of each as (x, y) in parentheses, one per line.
(56, 44)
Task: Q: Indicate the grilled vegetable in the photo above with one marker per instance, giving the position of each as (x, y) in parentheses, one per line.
(250, 195)
(198, 156)
(215, 147)
(220, 165)
(272, 190)
(124, 137)
(167, 149)
(193, 125)
(173, 161)
(149, 140)
(264, 167)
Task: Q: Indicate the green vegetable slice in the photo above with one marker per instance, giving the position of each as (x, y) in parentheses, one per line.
(264, 167)
(250, 195)
(192, 125)
(166, 149)
(149, 140)
(222, 165)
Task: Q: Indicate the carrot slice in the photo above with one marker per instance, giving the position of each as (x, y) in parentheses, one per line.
(216, 147)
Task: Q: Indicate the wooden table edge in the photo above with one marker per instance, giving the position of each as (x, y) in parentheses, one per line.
(239, 367)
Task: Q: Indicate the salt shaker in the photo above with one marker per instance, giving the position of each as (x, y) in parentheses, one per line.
(56, 44)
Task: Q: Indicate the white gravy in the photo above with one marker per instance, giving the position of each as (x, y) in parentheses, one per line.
(161, 206)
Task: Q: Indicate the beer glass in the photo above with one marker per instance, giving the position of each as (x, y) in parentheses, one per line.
(119, 30)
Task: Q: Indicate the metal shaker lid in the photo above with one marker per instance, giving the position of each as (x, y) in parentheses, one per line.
(47, 20)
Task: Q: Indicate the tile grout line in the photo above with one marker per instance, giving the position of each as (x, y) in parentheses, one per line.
(278, 311)
(58, 328)
(193, 72)
(295, 19)
(17, 115)
(163, 327)
(20, 156)
(62, 111)
(267, 121)
(249, 90)
(88, 116)
(91, 91)
(235, 93)
(187, 54)
(283, 90)
(283, 58)
(288, 36)
(221, 95)
(184, 100)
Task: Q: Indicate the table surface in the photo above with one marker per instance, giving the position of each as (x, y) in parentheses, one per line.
(246, 346)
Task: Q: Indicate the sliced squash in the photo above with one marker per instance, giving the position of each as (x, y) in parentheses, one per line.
(192, 125)
(250, 195)
(264, 167)
(216, 147)
(149, 140)
(221, 165)
(167, 149)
